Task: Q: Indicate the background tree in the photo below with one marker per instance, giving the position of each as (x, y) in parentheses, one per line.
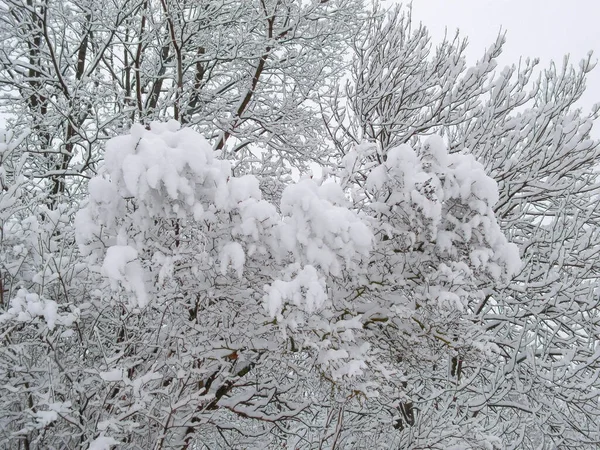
(240, 72)
(526, 129)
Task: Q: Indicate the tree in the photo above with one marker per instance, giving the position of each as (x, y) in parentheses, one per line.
(212, 318)
(165, 284)
(243, 73)
(536, 144)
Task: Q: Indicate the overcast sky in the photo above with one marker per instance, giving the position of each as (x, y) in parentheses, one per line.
(547, 29)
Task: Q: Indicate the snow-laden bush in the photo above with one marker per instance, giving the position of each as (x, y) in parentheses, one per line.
(212, 309)
(210, 315)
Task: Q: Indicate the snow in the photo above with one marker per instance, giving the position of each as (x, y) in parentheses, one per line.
(26, 306)
(256, 218)
(116, 260)
(101, 190)
(173, 164)
(45, 418)
(241, 189)
(121, 265)
(50, 313)
(451, 197)
(113, 375)
(233, 255)
(142, 380)
(103, 442)
(434, 154)
(306, 290)
(320, 232)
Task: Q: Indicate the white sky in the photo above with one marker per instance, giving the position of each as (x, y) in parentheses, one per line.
(548, 29)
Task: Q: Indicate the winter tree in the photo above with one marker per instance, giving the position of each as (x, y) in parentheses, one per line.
(166, 284)
(541, 388)
(243, 73)
(210, 316)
